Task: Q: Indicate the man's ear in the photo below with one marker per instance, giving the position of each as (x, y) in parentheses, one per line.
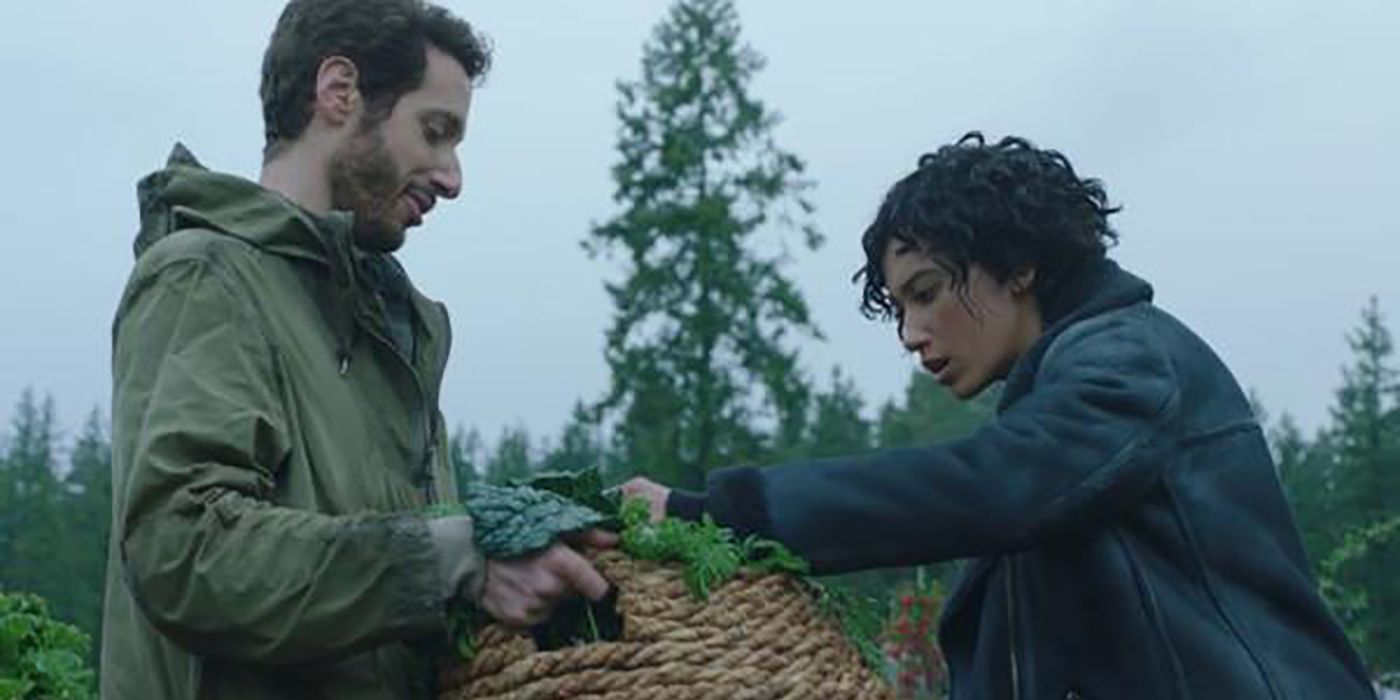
(338, 99)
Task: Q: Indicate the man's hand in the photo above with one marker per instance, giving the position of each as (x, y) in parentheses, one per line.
(523, 592)
(653, 493)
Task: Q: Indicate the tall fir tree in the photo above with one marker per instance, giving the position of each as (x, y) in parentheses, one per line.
(930, 414)
(838, 425)
(703, 373)
(87, 528)
(1366, 450)
(580, 445)
(32, 516)
(1306, 470)
(512, 458)
(465, 452)
(1366, 445)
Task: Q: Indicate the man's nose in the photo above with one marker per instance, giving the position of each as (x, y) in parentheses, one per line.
(447, 178)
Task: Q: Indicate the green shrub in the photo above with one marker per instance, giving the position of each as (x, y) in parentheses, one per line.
(40, 658)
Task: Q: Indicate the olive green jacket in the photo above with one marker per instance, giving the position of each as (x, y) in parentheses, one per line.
(269, 446)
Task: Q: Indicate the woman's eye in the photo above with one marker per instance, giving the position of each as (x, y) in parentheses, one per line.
(925, 295)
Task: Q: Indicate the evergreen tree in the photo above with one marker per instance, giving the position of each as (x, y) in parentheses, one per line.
(32, 521)
(1367, 467)
(930, 414)
(703, 374)
(87, 522)
(464, 450)
(838, 426)
(513, 457)
(1366, 446)
(1306, 470)
(580, 445)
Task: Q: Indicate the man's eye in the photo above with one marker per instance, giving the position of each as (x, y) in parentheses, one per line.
(434, 134)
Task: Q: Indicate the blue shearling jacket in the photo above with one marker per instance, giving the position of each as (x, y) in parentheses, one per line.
(1129, 536)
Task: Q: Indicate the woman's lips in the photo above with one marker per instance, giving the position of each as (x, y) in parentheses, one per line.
(936, 367)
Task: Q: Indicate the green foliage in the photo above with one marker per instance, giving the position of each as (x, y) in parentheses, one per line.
(1352, 604)
(580, 445)
(930, 414)
(465, 453)
(54, 522)
(86, 507)
(512, 521)
(1364, 436)
(910, 639)
(513, 457)
(32, 523)
(1308, 471)
(837, 426)
(584, 487)
(40, 657)
(859, 615)
(709, 555)
(703, 373)
(1343, 484)
(1364, 446)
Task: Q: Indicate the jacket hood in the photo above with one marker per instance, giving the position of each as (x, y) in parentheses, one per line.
(184, 194)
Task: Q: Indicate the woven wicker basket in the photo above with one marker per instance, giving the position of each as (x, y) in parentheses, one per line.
(756, 637)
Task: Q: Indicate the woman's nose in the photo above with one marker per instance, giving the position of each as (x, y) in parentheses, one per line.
(912, 337)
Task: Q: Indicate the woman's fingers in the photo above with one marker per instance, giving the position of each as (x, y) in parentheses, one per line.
(653, 493)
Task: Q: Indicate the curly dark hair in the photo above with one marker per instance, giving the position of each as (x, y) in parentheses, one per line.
(1008, 207)
(387, 41)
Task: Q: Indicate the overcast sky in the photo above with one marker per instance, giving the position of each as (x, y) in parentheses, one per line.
(1254, 145)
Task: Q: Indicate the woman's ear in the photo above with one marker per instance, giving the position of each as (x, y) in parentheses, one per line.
(1023, 282)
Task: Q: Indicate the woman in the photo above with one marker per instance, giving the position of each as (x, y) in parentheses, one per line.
(1130, 536)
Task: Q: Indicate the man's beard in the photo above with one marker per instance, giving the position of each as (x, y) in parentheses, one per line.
(365, 182)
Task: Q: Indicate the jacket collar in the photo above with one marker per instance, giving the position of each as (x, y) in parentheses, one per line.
(184, 195)
(1098, 287)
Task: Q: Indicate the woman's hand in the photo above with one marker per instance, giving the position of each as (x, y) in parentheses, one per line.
(653, 493)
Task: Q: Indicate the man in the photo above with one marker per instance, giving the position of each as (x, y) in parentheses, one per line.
(276, 431)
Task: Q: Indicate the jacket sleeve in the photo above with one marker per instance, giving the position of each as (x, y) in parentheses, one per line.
(211, 561)
(1072, 453)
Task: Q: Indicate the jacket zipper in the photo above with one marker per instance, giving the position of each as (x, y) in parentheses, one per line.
(1011, 627)
(419, 412)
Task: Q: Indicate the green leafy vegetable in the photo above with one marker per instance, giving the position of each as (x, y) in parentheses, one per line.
(517, 519)
(584, 487)
(512, 521)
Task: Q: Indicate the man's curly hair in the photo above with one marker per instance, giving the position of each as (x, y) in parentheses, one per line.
(1008, 207)
(385, 39)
